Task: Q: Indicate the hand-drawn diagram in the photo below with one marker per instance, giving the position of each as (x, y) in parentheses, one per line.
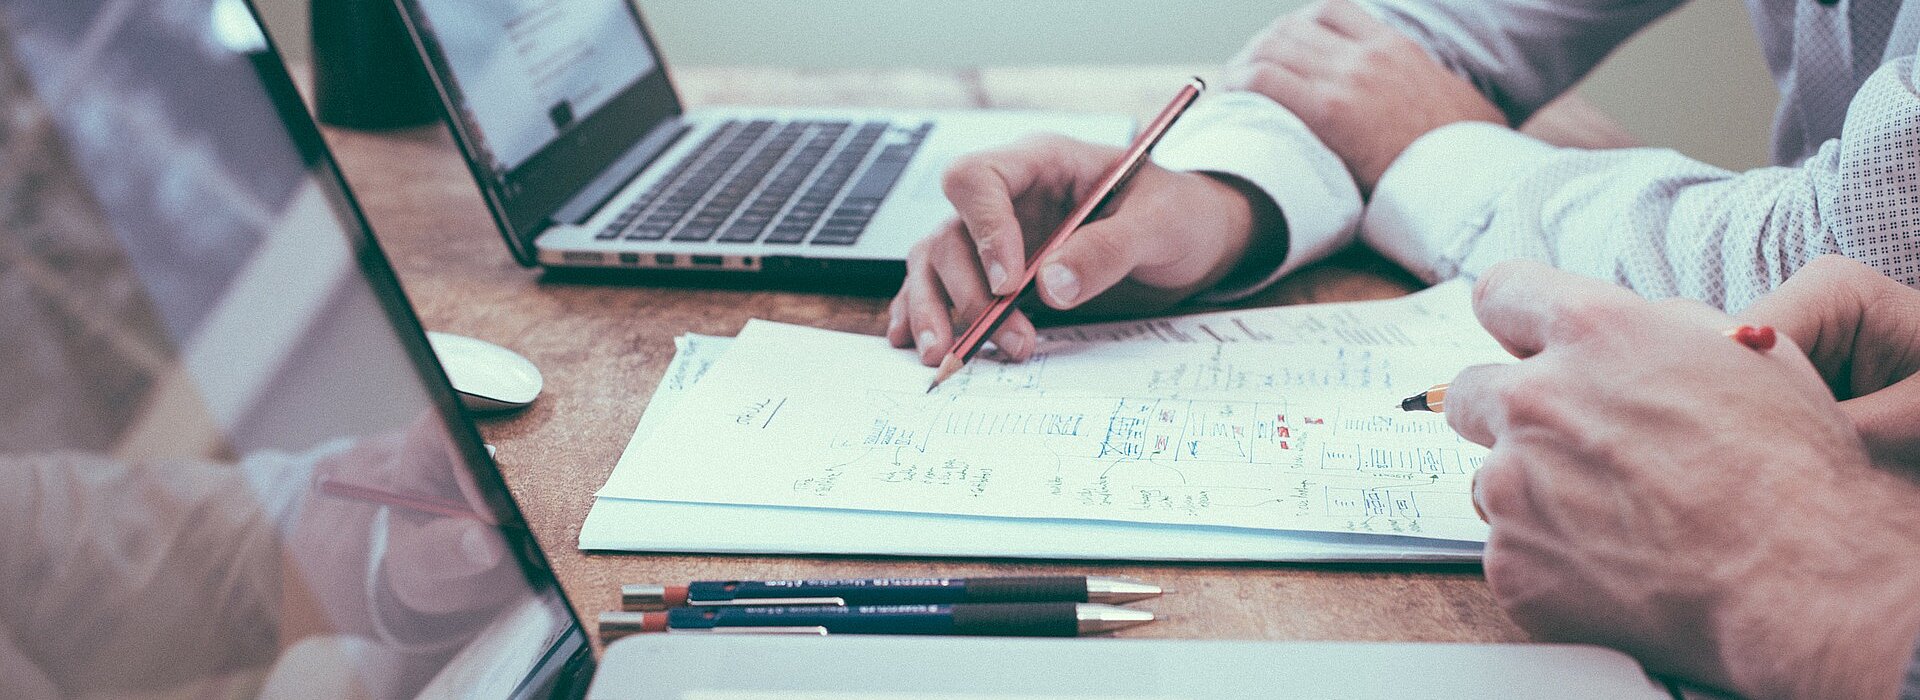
(1271, 435)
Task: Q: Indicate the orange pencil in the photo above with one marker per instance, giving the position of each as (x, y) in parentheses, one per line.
(1110, 190)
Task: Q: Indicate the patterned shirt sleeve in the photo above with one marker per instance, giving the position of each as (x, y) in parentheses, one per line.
(1469, 195)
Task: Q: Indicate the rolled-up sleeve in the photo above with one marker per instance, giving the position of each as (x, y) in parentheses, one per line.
(1252, 138)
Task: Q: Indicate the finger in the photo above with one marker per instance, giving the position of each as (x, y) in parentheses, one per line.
(1885, 421)
(1350, 20)
(1497, 488)
(444, 565)
(1473, 402)
(1017, 337)
(953, 262)
(929, 314)
(1278, 82)
(983, 189)
(1289, 36)
(1824, 307)
(1097, 257)
(897, 329)
(1310, 48)
(1527, 305)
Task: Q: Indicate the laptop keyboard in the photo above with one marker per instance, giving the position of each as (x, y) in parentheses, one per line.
(782, 183)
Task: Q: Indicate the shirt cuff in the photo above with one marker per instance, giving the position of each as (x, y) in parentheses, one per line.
(1439, 195)
(1250, 137)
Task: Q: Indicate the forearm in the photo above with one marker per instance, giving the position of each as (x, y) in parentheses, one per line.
(1521, 54)
(1468, 196)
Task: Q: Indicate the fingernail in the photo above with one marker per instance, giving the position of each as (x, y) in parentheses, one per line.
(1062, 284)
(996, 277)
(927, 339)
(1474, 497)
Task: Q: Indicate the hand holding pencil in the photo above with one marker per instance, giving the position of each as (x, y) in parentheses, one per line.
(1173, 234)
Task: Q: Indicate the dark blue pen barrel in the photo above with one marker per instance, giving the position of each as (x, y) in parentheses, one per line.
(1028, 589)
(900, 591)
(998, 619)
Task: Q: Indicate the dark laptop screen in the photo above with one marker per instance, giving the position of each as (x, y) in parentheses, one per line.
(228, 465)
(529, 71)
(544, 95)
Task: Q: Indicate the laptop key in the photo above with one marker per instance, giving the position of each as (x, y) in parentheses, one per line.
(787, 233)
(836, 235)
(742, 233)
(696, 232)
(650, 232)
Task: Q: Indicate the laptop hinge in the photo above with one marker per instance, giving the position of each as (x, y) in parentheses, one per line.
(597, 193)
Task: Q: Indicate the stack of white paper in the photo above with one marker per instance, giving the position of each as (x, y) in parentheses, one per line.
(1271, 434)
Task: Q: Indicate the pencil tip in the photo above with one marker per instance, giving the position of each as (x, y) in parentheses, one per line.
(948, 367)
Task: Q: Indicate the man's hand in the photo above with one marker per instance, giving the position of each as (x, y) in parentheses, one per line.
(1170, 236)
(1657, 487)
(1862, 330)
(1365, 89)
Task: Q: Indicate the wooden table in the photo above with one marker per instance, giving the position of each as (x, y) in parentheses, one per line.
(603, 349)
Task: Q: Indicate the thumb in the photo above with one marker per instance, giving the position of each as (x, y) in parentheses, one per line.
(1885, 421)
(1096, 257)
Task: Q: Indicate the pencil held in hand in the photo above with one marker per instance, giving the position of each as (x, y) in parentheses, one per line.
(1111, 187)
(1434, 400)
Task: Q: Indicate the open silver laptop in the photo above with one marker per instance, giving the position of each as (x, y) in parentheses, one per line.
(587, 157)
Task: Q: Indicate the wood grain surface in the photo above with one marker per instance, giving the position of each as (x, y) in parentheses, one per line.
(604, 347)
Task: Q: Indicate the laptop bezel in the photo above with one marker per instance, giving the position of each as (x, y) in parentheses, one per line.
(568, 664)
(523, 204)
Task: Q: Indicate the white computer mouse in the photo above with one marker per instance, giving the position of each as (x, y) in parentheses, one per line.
(486, 376)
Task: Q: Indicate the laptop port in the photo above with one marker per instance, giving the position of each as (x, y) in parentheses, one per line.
(666, 259)
(629, 258)
(709, 260)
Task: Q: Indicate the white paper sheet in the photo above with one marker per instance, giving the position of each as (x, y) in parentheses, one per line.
(1283, 435)
(652, 526)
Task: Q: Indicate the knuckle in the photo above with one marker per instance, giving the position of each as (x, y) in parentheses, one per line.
(1048, 142)
(1587, 317)
(1337, 102)
(1499, 486)
(1831, 263)
(965, 173)
(1532, 399)
(1264, 77)
(1106, 249)
(918, 253)
(1495, 277)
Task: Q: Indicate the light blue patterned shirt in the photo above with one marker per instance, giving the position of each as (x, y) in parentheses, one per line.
(1847, 146)
(1846, 149)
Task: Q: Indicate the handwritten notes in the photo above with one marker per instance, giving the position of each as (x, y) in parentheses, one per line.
(1291, 425)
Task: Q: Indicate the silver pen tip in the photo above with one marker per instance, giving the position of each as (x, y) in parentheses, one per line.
(643, 596)
(1119, 589)
(1096, 618)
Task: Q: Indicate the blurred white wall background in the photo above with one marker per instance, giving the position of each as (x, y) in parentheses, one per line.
(1694, 82)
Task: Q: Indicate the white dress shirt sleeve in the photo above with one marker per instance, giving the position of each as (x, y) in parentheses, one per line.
(1469, 195)
(1248, 136)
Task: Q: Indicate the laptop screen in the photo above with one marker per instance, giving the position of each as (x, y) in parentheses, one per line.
(228, 464)
(544, 95)
(529, 70)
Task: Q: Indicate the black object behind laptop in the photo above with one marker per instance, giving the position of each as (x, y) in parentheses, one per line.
(588, 159)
